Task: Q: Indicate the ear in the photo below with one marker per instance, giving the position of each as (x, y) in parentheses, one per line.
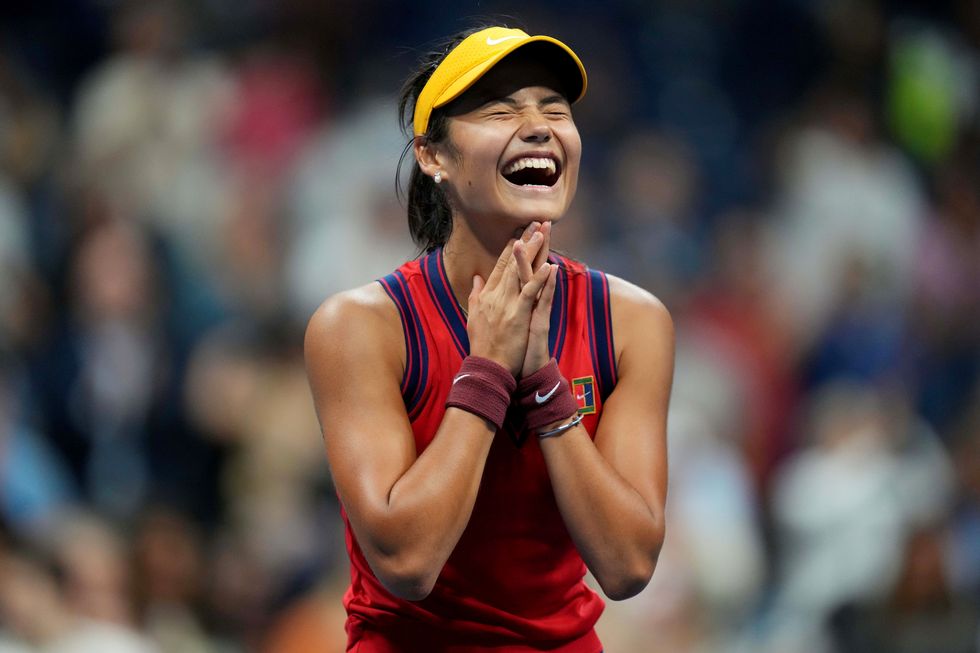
(430, 156)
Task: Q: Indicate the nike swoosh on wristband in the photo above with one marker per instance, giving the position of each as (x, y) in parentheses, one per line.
(538, 398)
(460, 378)
(491, 41)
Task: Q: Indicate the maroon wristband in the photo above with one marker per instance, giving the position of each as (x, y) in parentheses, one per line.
(545, 397)
(482, 387)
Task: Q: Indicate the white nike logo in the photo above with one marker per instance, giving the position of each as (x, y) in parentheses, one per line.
(538, 398)
(491, 41)
(580, 397)
(460, 378)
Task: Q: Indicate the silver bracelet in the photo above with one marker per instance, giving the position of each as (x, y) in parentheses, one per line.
(561, 429)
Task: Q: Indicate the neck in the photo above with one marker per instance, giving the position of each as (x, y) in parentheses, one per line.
(469, 252)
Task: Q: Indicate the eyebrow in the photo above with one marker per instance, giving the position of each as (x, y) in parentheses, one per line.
(509, 101)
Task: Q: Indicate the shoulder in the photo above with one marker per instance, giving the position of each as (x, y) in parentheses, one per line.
(363, 318)
(631, 308)
(623, 294)
(630, 297)
(637, 314)
(367, 305)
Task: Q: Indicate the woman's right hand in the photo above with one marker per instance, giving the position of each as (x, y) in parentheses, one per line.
(500, 308)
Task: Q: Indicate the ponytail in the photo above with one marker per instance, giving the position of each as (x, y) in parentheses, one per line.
(430, 218)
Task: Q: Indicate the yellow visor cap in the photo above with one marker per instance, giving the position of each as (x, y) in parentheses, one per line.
(473, 57)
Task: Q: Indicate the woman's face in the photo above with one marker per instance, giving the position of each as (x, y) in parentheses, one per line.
(514, 151)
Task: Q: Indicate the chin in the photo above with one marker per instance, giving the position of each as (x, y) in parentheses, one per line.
(526, 216)
(528, 207)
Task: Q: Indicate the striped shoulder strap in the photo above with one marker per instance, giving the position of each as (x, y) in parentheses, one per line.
(600, 333)
(416, 349)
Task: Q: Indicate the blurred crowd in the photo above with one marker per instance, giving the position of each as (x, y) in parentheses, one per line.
(182, 183)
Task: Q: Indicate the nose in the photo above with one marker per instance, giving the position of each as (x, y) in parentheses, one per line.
(535, 129)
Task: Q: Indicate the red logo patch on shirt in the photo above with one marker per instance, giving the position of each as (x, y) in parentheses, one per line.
(584, 389)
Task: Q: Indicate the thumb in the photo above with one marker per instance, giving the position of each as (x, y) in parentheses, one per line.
(477, 287)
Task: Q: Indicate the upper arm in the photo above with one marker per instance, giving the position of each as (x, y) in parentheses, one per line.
(354, 359)
(632, 433)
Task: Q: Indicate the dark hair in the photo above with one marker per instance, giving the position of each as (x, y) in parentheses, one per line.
(430, 218)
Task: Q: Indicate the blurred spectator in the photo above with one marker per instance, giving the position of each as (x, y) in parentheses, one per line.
(94, 570)
(105, 381)
(736, 316)
(251, 396)
(248, 262)
(239, 591)
(864, 334)
(921, 614)
(248, 395)
(963, 554)
(114, 341)
(933, 82)
(845, 505)
(30, 126)
(15, 263)
(854, 34)
(32, 608)
(946, 301)
(145, 127)
(347, 228)
(650, 220)
(275, 105)
(847, 201)
(170, 574)
(36, 489)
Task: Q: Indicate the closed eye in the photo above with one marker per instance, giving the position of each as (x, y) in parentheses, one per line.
(554, 108)
(498, 111)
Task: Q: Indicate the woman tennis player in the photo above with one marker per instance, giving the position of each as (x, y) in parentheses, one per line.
(494, 414)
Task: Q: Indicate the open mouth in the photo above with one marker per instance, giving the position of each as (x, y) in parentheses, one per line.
(533, 171)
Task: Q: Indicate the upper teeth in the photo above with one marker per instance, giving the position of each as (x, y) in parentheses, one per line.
(530, 162)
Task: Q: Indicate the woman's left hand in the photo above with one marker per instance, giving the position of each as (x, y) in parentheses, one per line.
(537, 354)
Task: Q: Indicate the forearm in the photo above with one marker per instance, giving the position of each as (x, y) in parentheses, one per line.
(426, 510)
(617, 534)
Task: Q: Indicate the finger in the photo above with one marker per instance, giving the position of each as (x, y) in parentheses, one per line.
(533, 247)
(520, 265)
(542, 256)
(530, 291)
(542, 309)
(523, 261)
(477, 288)
(528, 231)
(524, 272)
(498, 269)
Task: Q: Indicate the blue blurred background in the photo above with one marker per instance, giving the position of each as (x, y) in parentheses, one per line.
(181, 184)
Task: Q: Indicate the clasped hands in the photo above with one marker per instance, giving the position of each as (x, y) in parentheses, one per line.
(509, 313)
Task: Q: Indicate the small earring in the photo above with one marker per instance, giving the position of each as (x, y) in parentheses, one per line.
(438, 178)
